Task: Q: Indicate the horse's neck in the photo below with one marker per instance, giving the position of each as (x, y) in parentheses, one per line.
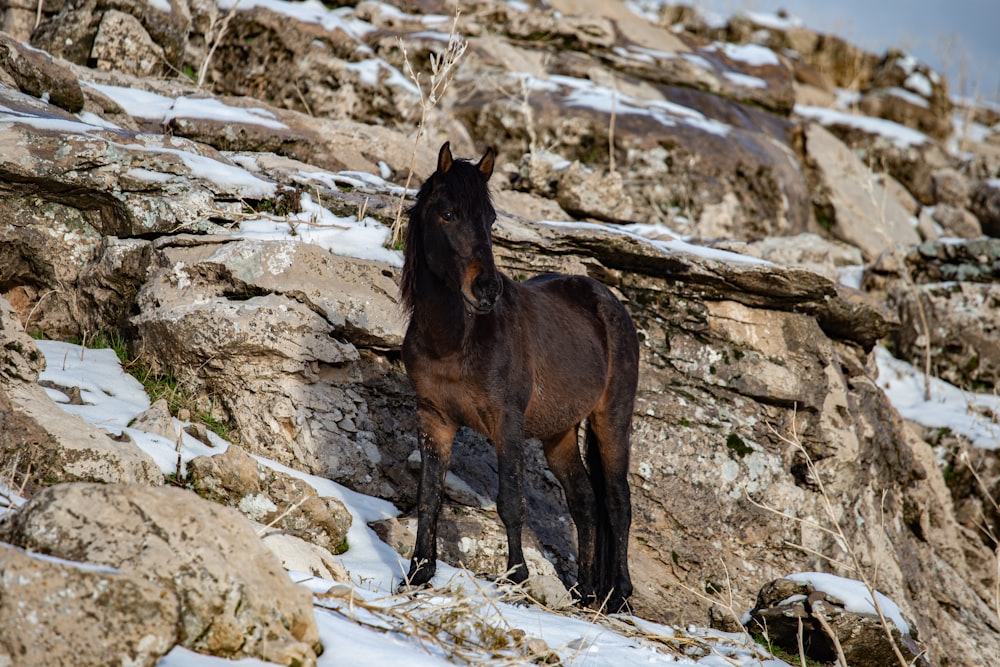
(440, 317)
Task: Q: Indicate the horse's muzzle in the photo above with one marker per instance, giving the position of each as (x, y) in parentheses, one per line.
(486, 290)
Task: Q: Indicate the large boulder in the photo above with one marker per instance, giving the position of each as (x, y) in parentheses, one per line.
(908, 155)
(61, 612)
(853, 204)
(234, 599)
(260, 331)
(134, 183)
(830, 616)
(40, 438)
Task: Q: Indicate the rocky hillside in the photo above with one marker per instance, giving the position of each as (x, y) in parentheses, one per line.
(211, 186)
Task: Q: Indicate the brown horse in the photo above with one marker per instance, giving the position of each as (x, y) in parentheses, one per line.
(515, 361)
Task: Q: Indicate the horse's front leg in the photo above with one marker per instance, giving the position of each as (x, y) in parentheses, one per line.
(510, 499)
(436, 435)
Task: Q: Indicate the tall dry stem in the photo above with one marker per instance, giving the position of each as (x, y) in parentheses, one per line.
(964, 457)
(213, 39)
(880, 204)
(442, 72)
(836, 530)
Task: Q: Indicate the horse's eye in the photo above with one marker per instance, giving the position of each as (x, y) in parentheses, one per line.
(448, 216)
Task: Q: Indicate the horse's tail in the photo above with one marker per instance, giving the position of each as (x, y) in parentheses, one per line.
(604, 544)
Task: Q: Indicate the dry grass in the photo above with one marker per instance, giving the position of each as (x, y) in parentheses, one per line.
(12, 493)
(986, 528)
(443, 69)
(216, 31)
(466, 623)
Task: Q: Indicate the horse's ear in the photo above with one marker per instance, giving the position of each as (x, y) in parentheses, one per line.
(444, 158)
(486, 163)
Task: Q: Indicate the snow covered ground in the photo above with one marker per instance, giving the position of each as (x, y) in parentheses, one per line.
(366, 621)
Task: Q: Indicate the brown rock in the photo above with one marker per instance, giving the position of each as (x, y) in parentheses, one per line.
(271, 497)
(950, 187)
(782, 605)
(860, 210)
(71, 33)
(40, 439)
(957, 222)
(39, 75)
(121, 43)
(588, 194)
(986, 206)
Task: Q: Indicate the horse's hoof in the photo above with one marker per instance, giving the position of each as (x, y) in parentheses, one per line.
(407, 588)
(619, 605)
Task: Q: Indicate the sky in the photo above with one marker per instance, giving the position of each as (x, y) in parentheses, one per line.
(943, 34)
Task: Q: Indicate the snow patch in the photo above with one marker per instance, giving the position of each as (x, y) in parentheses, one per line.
(854, 595)
(910, 97)
(310, 11)
(745, 80)
(900, 135)
(754, 55)
(773, 21)
(948, 406)
(919, 83)
(342, 235)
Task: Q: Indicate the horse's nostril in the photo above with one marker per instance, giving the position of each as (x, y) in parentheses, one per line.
(486, 288)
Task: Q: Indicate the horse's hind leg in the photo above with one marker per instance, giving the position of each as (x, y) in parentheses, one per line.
(563, 454)
(609, 433)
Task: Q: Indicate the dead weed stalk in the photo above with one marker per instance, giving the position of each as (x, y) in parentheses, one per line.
(854, 564)
(443, 69)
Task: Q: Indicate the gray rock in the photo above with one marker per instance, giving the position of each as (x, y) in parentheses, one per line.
(157, 419)
(234, 598)
(588, 194)
(270, 497)
(71, 33)
(20, 358)
(957, 222)
(950, 187)
(62, 447)
(958, 287)
(121, 43)
(37, 74)
(60, 612)
(809, 251)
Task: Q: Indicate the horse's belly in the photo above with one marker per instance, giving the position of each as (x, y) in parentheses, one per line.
(554, 410)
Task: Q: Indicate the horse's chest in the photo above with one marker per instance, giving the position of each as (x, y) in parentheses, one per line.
(465, 394)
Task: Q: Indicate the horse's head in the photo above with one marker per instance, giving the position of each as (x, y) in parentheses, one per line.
(450, 225)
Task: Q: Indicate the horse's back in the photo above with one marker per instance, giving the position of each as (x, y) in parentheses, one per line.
(584, 295)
